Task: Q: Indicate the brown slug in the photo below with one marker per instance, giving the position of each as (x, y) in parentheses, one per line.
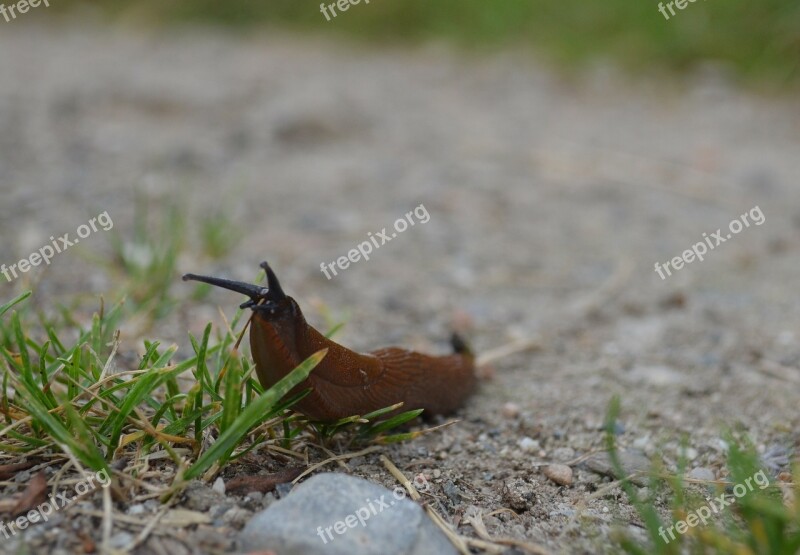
(346, 383)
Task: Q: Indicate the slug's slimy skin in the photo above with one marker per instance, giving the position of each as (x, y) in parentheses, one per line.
(346, 383)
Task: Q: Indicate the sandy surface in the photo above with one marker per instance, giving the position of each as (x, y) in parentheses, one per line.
(550, 201)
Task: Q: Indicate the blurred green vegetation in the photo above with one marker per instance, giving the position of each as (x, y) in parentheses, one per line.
(759, 40)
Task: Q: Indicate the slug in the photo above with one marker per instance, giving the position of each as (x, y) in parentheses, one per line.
(346, 383)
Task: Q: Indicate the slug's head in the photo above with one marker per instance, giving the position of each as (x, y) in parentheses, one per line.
(270, 301)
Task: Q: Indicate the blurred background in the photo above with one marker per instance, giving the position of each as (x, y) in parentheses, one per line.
(756, 41)
(548, 141)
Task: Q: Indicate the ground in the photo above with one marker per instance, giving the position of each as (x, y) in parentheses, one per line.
(550, 202)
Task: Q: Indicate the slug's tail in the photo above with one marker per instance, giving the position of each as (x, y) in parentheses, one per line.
(460, 345)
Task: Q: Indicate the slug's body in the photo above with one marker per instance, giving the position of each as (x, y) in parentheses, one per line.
(346, 383)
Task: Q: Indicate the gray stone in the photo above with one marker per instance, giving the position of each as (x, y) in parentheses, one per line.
(702, 473)
(633, 462)
(305, 522)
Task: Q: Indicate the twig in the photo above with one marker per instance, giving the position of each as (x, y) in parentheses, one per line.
(108, 521)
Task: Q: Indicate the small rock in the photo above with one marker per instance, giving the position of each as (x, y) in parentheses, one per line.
(219, 486)
(529, 445)
(563, 510)
(510, 410)
(216, 511)
(518, 494)
(236, 517)
(641, 443)
(561, 474)
(776, 458)
(136, 509)
(691, 453)
(256, 496)
(355, 462)
(563, 454)
(702, 473)
(199, 497)
(121, 540)
(633, 462)
(321, 517)
(452, 492)
(437, 473)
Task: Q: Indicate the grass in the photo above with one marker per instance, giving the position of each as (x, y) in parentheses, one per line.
(68, 397)
(758, 41)
(761, 521)
(65, 399)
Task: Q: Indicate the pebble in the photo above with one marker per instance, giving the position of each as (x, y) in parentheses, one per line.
(563, 454)
(136, 509)
(518, 494)
(632, 462)
(199, 497)
(452, 492)
(219, 486)
(561, 474)
(120, 540)
(641, 442)
(691, 453)
(236, 517)
(256, 496)
(702, 473)
(510, 410)
(319, 518)
(529, 445)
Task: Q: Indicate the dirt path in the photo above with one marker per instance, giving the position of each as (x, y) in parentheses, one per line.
(539, 190)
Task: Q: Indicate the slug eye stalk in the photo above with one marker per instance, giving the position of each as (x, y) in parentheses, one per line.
(257, 293)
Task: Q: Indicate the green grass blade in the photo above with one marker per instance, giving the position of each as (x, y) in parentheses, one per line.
(254, 413)
(5, 308)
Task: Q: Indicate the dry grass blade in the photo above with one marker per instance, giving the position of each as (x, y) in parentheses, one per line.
(508, 349)
(476, 521)
(454, 538)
